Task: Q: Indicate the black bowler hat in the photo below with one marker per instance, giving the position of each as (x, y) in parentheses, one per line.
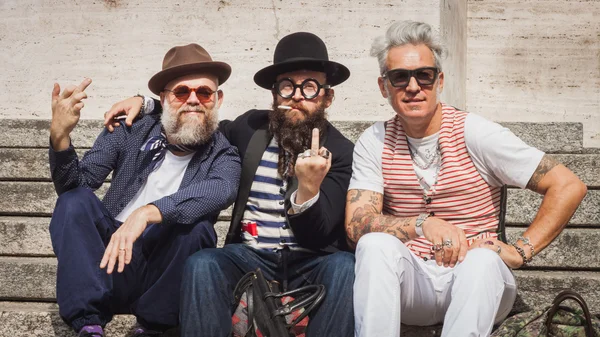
(301, 51)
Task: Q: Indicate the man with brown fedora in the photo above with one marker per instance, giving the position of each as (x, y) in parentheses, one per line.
(171, 175)
(288, 218)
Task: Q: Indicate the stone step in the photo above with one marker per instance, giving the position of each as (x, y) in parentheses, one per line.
(32, 164)
(33, 279)
(39, 198)
(548, 137)
(35, 319)
(29, 198)
(38, 319)
(523, 205)
(29, 237)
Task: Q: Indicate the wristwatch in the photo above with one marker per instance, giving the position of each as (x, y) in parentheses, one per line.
(419, 223)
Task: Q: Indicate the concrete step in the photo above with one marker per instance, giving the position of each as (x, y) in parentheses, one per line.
(548, 137)
(29, 237)
(34, 319)
(29, 198)
(32, 164)
(39, 198)
(33, 279)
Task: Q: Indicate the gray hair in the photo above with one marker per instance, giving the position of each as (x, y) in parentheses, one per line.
(407, 32)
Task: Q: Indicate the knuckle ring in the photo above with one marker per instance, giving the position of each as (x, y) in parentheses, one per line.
(448, 243)
(305, 154)
(437, 247)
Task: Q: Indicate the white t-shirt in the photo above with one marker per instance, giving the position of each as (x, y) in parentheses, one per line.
(165, 180)
(498, 155)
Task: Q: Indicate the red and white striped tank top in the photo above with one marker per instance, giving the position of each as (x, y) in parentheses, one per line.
(460, 195)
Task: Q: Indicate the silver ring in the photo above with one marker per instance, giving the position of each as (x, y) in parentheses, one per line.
(499, 250)
(326, 154)
(448, 243)
(305, 154)
(438, 247)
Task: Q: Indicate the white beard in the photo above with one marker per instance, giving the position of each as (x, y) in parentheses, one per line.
(190, 130)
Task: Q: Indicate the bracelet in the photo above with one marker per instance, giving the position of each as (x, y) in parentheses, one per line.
(521, 252)
(419, 223)
(143, 107)
(528, 242)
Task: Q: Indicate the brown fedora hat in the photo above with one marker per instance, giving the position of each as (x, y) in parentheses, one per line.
(186, 60)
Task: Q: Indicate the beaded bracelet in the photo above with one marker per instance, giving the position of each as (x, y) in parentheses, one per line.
(527, 242)
(522, 253)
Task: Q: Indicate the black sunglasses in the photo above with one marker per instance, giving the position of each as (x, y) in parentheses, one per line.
(309, 88)
(399, 78)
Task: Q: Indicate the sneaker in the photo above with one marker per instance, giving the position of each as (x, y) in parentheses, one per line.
(91, 331)
(143, 332)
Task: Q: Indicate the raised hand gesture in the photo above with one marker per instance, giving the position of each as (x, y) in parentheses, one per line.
(66, 108)
(311, 168)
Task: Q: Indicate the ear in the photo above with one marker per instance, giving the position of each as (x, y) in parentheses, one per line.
(381, 83)
(220, 98)
(441, 81)
(329, 98)
(162, 96)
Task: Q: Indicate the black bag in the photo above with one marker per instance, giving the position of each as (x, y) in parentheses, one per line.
(261, 311)
(557, 320)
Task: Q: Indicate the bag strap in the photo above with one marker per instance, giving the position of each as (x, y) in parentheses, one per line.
(243, 285)
(571, 295)
(310, 297)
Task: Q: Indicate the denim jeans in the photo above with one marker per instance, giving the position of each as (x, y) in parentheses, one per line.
(149, 287)
(210, 277)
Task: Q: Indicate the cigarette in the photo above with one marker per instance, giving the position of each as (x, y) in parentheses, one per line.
(284, 107)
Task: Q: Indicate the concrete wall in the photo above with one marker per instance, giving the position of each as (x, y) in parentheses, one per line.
(531, 60)
(120, 45)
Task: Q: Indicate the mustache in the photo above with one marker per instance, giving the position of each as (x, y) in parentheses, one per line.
(190, 108)
(295, 106)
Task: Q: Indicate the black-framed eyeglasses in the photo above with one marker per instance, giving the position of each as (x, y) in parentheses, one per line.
(309, 88)
(399, 78)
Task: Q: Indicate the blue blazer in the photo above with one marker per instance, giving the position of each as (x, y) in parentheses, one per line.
(209, 184)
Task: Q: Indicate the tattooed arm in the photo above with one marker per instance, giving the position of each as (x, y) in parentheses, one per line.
(363, 215)
(563, 192)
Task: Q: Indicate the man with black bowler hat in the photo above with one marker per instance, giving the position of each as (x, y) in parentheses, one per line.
(288, 219)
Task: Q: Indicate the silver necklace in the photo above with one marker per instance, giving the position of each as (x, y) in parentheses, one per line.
(431, 156)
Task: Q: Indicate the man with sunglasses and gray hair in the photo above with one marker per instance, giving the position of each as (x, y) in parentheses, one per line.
(423, 204)
(171, 176)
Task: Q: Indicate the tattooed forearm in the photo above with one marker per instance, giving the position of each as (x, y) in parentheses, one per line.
(366, 220)
(363, 216)
(546, 164)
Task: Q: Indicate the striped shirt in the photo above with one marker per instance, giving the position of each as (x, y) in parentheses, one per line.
(264, 223)
(460, 195)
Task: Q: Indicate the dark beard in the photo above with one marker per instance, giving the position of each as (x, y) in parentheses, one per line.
(294, 137)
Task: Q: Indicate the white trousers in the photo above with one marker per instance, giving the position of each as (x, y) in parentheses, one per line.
(394, 286)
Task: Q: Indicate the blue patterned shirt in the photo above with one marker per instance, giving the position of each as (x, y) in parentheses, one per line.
(209, 184)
